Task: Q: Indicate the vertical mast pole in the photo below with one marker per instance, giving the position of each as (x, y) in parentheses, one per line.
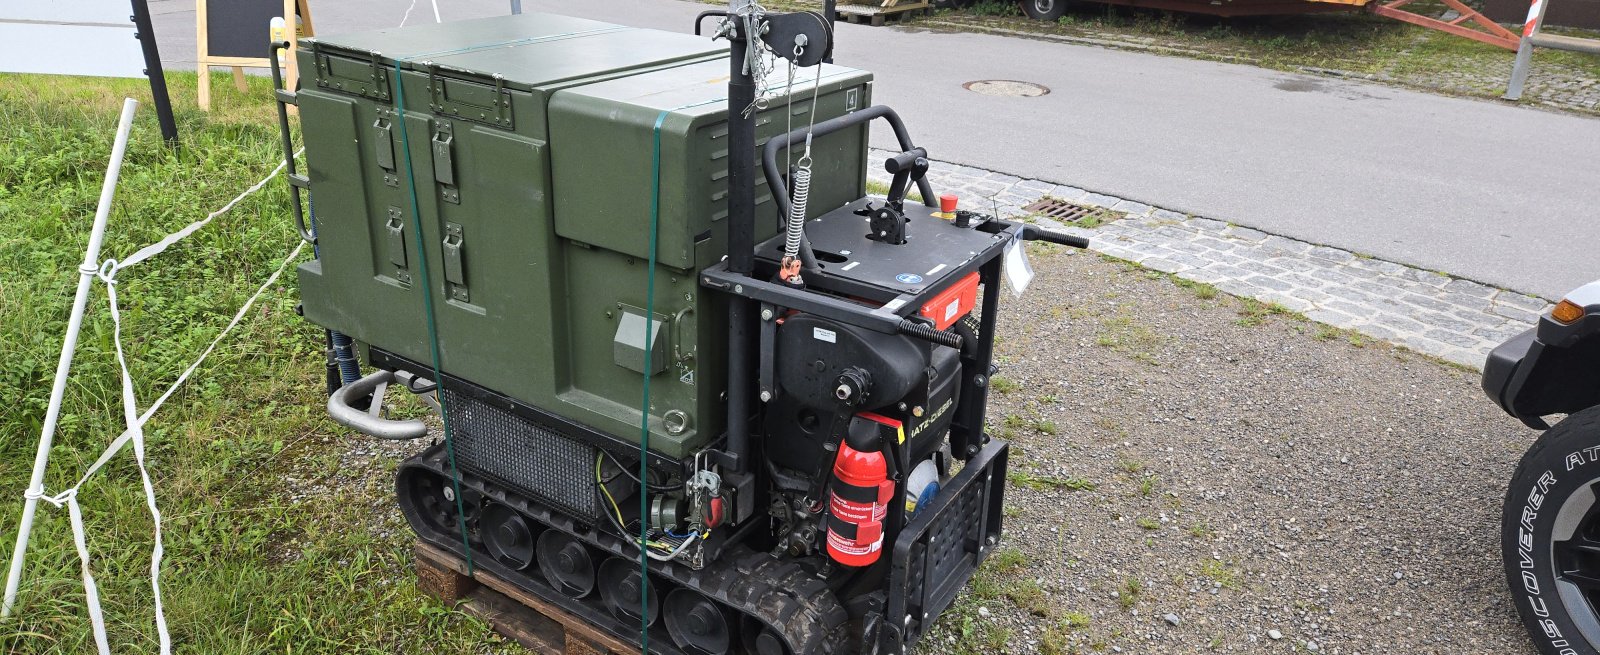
(741, 229)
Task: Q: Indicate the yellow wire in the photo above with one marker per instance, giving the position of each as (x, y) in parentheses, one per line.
(600, 480)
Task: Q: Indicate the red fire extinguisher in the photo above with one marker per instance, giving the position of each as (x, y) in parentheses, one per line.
(858, 502)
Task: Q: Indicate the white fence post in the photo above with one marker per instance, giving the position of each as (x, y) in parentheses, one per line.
(86, 275)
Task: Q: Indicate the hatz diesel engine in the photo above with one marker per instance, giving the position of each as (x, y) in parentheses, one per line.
(708, 410)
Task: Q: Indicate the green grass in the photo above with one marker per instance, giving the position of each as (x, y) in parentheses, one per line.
(1220, 573)
(1128, 593)
(1254, 312)
(1047, 482)
(1124, 333)
(249, 568)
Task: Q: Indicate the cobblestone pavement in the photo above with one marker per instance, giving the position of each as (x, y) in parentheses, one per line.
(1455, 319)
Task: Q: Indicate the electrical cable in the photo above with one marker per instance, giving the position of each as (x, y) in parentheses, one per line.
(658, 488)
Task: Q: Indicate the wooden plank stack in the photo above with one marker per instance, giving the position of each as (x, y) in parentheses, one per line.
(539, 626)
(877, 11)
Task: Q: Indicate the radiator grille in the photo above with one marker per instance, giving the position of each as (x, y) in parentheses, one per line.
(532, 460)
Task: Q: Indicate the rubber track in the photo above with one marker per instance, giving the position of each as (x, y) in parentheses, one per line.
(779, 593)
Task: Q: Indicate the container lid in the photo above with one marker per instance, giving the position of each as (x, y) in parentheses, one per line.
(526, 50)
(701, 89)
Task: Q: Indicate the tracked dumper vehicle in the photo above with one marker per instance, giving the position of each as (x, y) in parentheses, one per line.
(708, 411)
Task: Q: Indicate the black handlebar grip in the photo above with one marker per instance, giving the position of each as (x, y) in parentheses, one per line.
(905, 161)
(1031, 233)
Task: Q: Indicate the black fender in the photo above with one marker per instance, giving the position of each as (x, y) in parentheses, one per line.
(1552, 368)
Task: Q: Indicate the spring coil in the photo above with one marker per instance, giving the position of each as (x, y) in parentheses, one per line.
(797, 211)
(927, 333)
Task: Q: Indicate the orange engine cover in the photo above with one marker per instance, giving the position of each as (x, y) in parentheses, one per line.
(952, 303)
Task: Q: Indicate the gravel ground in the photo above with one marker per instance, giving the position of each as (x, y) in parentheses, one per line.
(1261, 483)
(1252, 474)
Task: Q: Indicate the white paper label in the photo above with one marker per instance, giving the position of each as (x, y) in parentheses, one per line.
(824, 335)
(1018, 272)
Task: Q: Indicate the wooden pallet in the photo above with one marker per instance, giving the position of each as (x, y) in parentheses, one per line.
(539, 626)
(876, 14)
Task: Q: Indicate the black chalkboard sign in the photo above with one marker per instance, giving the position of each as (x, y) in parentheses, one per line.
(238, 33)
(240, 28)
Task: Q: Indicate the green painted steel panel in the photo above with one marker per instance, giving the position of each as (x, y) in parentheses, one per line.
(524, 306)
(602, 143)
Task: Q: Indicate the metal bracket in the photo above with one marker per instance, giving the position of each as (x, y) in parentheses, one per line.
(374, 83)
(395, 227)
(766, 375)
(496, 111)
(383, 145)
(444, 168)
(455, 275)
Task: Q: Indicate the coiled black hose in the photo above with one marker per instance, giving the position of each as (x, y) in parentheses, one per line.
(926, 333)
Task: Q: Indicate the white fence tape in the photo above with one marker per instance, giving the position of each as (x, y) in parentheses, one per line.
(135, 421)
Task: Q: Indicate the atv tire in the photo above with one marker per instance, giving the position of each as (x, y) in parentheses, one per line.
(1550, 537)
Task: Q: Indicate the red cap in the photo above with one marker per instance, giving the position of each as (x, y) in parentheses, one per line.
(947, 203)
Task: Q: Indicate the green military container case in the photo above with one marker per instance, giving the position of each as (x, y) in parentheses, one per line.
(529, 143)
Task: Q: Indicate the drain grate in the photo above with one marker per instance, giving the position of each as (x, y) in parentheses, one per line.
(1068, 212)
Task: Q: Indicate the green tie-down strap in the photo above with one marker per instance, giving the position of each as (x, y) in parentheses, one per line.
(427, 283)
(427, 307)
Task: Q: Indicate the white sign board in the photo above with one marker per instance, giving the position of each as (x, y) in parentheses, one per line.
(69, 37)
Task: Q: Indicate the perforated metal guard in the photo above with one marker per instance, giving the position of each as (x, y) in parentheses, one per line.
(514, 451)
(944, 545)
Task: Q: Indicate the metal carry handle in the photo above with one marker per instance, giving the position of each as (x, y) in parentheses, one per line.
(769, 155)
(367, 421)
(707, 14)
(284, 98)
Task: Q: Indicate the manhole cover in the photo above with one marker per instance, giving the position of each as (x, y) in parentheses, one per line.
(1067, 212)
(1011, 88)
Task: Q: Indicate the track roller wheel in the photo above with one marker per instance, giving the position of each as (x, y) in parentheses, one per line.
(619, 589)
(697, 623)
(761, 640)
(507, 535)
(566, 564)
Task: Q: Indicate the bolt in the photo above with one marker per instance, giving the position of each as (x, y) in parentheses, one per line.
(843, 392)
(449, 494)
(902, 406)
(766, 396)
(738, 289)
(917, 411)
(766, 314)
(980, 381)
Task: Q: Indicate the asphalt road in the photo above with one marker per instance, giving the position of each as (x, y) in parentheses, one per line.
(1496, 193)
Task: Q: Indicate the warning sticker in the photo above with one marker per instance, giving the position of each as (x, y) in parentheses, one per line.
(824, 335)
